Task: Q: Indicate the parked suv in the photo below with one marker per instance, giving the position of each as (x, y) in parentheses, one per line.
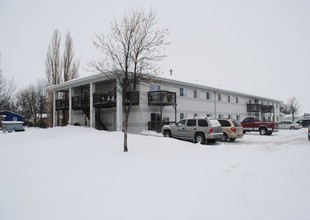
(198, 130)
(232, 129)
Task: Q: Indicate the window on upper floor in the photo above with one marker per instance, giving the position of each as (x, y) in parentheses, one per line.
(155, 87)
(196, 94)
(237, 99)
(219, 97)
(228, 98)
(208, 95)
(183, 92)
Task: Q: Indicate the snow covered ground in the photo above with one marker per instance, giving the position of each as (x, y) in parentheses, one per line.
(77, 173)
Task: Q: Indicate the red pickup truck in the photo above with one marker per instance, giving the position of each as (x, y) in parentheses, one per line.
(264, 128)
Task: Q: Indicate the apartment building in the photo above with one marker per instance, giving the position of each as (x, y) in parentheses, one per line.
(93, 101)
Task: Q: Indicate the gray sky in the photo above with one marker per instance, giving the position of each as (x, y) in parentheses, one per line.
(260, 47)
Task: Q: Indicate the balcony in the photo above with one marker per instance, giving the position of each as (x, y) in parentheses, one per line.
(260, 108)
(254, 107)
(62, 104)
(267, 109)
(163, 98)
(107, 100)
(80, 102)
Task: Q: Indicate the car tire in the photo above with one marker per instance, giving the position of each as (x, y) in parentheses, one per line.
(292, 128)
(200, 138)
(167, 133)
(263, 131)
(224, 137)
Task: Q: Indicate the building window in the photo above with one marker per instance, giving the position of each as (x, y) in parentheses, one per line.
(183, 92)
(208, 95)
(220, 116)
(229, 116)
(182, 115)
(155, 87)
(228, 98)
(195, 94)
(219, 97)
(238, 117)
(237, 100)
(195, 115)
(14, 118)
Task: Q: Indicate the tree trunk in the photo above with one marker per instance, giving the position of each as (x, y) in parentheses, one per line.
(125, 132)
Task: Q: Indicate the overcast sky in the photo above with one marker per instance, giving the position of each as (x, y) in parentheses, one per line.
(260, 47)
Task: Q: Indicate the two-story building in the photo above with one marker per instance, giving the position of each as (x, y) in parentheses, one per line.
(93, 101)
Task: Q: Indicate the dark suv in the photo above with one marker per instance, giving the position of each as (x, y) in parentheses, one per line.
(198, 130)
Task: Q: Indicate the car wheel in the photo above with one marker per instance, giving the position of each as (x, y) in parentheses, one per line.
(167, 133)
(292, 128)
(224, 137)
(200, 138)
(263, 131)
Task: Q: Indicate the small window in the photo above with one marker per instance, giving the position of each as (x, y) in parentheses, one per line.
(237, 100)
(195, 94)
(238, 117)
(155, 87)
(219, 97)
(183, 92)
(195, 115)
(182, 115)
(220, 116)
(14, 118)
(228, 98)
(202, 123)
(208, 95)
(191, 122)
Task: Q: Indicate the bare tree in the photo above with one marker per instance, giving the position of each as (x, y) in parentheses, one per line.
(70, 66)
(131, 52)
(7, 88)
(53, 67)
(60, 69)
(294, 106)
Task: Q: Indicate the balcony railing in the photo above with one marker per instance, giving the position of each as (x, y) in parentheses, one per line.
(80, 102)
(162, 98)
(62, 104)
(260, 108)
(267, 108)
(106, 100)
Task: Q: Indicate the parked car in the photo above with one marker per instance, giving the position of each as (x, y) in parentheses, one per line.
(264, 128)
(232, 129)
(289, 125)
(198, 130)
(309, 133)
(304, 122)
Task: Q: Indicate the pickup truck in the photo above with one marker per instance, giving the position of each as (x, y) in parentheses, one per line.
(264, 128)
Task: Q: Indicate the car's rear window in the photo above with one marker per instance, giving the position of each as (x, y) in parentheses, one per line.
(215, 123)
(236, 123)
(203, 123)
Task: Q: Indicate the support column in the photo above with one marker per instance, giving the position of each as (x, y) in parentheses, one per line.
(54, 110)
(70, 107)
(119, 108)
(92, 119)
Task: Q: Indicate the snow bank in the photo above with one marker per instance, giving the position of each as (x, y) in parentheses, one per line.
(81, 173)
